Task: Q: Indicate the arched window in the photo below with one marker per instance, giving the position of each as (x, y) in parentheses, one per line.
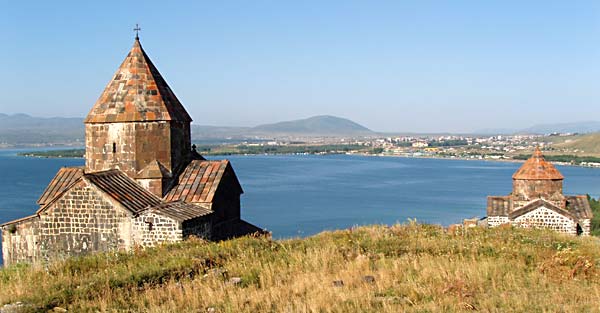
(114, 147)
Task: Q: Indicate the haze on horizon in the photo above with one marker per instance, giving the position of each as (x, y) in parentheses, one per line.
(414, 66)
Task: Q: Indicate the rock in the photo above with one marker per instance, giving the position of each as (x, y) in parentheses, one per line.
(368, 279)
(338, 283)
(235, 280)
(12, 307)
(59, 309)
(211, 310)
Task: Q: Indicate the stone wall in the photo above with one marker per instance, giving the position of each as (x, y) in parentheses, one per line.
(494, 221)
(200, 227)
(20, 241)
(83, 221)
(150, 229)
(157, 186)
(131, 146)
(525, 191)
(546, 218)
(586, 227)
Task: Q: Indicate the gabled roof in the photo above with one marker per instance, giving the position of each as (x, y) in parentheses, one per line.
(199, 181)
(579, 206)
(137, 92)
(538, 203)
(154, 169)
(124, 190)
(537, 168)
(64, 178)
(181, 211)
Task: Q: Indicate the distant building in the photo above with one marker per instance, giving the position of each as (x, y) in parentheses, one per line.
(537, 201)
(420, 144)
(143, 183)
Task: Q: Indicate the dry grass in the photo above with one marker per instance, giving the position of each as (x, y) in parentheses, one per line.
(416, 268)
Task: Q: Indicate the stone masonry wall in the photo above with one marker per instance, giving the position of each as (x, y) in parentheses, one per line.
(524, 191)
(82, 221)
(494, 221)
(586, 227)
(20, 241)
(151, 229)
(546, 218)
(200, 227)
(135, 144)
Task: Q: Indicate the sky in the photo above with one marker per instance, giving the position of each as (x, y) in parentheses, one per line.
(396, 66)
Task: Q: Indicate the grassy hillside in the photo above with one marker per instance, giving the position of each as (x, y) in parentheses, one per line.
(414, 268)
(588, 144)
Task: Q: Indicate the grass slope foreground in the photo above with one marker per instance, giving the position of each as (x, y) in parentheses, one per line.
(402, 268)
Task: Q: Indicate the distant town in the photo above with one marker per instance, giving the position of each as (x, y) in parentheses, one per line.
(560, 148)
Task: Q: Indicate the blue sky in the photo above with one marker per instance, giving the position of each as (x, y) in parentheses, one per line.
(422, 66)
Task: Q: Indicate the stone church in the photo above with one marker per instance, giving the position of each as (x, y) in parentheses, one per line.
(537, 201)
(143, 183)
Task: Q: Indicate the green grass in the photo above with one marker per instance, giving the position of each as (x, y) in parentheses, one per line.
(417, 268)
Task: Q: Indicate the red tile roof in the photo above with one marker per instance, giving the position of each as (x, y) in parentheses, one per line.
(137, 92)
(537, 168)
(199, 181)
(65, 178)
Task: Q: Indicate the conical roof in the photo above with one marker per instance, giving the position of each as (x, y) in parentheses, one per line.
(137, 92)
(537, 168)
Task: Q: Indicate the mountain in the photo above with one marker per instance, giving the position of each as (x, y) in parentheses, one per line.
(23, 129)
(573, 127)
(316, 125)
(583, 127)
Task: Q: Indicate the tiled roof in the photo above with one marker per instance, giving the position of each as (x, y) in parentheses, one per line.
(124, 190)
(579, 206)
(65, 178)
(180, 210)
(537, 168)
(199, 181)
(498, 205)
(538, 203)
(137, 92)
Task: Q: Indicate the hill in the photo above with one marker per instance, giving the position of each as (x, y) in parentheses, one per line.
(403, 268)
(22, 129)
(25, 129)
(583, 127)
(316, 125)
(588, 144)
(574, 127)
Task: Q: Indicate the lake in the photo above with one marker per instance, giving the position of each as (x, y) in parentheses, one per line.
(300, 195)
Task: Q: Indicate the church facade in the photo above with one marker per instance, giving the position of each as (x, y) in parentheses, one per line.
(143, 183)
(537, 201)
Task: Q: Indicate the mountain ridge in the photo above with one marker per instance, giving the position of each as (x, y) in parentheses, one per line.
(23, 129)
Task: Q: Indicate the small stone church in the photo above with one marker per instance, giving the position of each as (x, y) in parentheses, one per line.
(143, 182)
(537, 201)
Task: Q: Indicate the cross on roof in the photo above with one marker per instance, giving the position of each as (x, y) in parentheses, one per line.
(137, 29)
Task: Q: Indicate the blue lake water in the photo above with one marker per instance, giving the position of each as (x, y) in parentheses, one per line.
(297, 195)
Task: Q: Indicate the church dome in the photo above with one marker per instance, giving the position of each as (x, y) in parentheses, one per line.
(137, 93)
(537, 168)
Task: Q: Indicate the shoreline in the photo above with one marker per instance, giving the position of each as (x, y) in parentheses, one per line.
(322, 154)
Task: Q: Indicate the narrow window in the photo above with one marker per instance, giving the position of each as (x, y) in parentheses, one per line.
(149, 226)
(114, 147)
